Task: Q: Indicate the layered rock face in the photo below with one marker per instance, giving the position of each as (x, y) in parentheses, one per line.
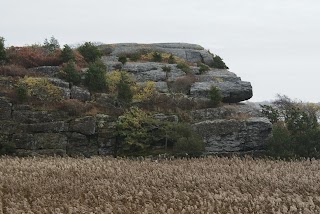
(228, 128)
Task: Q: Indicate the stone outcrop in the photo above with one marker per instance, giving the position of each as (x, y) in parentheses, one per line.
(234, 135)
(227, 128)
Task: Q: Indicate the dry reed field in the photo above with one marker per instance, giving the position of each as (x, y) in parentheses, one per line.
(209, 185)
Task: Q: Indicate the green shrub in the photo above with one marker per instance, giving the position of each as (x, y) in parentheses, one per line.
(67, 54)
(95, 77)
(215, 96)
(90, 52)
(218, 63)
(184, 67)
(185, 139)
(125, 92)
(299, 134)
(134, 56)
(71, 74)
(171, 59)
(156, 57)
(202, 67)
(22, 92)
(122, 59)
(3, 55)
(166, 68)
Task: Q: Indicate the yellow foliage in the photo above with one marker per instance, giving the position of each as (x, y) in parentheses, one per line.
(142, 93)
(165, 58)
(41, 89)
(113, 78)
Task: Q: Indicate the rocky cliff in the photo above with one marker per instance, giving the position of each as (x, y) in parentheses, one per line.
(230, 127)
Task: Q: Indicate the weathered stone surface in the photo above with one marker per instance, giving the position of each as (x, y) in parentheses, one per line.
(23, 141)
(232, 92)
(189, 52)
(225, 112)
(218, 75)
(5, 109)
(50, 71)
(9, 127)
(63, 85)
(163, 117)
(234, 135)
(29, 116)
(80, 93)
(50, 141)
(84, 125)
(80, 145)
(57, 126)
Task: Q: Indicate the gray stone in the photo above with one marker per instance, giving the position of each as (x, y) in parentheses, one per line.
(50, 141)
(234, 135)
(189, 52)
(57, 126)
(85, 125)
(225, 112)
(79, 145)
(218, 75)
(5, 109)
(50, 71)
(8, 127)
(29, 116)
(232, 92)
(80, 93)
(63, 85)
(163, 117)
(23, 141)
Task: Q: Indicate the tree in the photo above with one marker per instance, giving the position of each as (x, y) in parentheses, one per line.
(95, 78)
(71, 74)
(124, 88)
(296, 130)
(51, 45)
(67, 54)
(215, 96)
(90, 52)
(3, 55)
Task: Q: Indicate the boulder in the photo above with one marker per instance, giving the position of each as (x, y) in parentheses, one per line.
(50, 71)
(234, 135)
(80, 93)
(63, 85)
(233, 111)
(189, 52)
(232, 92)
(5, 109)
(85, 125)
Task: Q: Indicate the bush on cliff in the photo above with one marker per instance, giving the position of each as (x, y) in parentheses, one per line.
(3, 54)
(70, 73)
(90, 52)
(67, 54)
(95, 77)
(215, 96)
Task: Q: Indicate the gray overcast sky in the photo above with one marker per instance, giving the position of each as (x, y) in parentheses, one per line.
(274, 44)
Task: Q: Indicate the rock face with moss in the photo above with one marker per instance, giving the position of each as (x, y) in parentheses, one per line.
(172, 82)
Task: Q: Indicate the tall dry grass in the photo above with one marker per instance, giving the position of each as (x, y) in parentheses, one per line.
(211, 185)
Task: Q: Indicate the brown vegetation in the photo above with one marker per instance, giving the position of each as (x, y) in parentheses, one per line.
(211, 185)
